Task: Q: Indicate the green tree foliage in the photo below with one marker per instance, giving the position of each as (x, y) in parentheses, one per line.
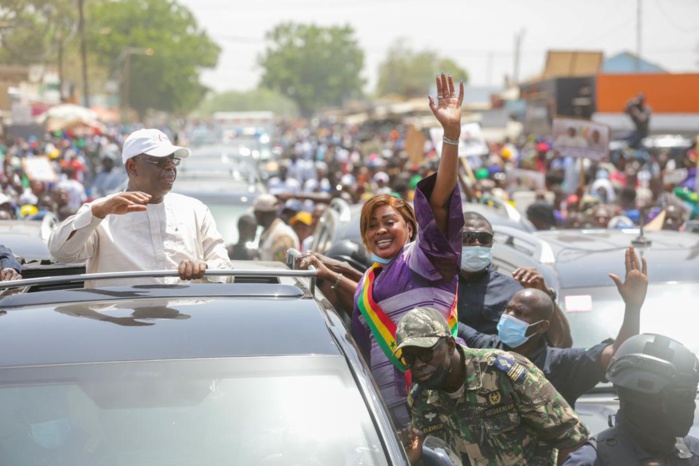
(258, 99)
(312, 65)
(411, 73)
(155, 49)
(31, 31)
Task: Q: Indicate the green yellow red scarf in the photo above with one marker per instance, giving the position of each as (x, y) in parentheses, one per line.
(383, 328)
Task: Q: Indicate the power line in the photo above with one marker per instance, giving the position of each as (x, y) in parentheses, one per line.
(672, 21)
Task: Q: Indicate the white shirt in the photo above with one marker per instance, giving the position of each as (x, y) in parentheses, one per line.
(179, 228)
(277, 186)
(76, 193)
(276, 240)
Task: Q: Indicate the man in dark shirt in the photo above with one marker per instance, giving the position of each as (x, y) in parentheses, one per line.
(247, 228)
(10, 268)
(484, 293)
(572, 371)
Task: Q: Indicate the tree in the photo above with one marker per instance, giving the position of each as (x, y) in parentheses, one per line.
(33, 31)
(411, 74)
(155, 49)
(258, 99)
(312, 65)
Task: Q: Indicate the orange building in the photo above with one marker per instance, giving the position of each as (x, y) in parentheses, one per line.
(665, 93)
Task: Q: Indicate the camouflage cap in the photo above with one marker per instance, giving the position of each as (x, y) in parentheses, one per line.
(421, 327)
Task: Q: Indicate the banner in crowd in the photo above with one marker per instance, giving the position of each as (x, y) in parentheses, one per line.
(415, 144)
(580, 138)
(471, 144)
(39, 168)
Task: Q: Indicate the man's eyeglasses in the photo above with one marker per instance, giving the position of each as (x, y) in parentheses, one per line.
(424, 355)
(162, 162)
(470, 237)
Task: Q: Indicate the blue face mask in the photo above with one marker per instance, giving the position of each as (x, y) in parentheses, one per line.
(380, 260)
(512, 331)
(475, 258)
(51, 434)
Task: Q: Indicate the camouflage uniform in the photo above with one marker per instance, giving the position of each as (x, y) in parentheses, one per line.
(508, 413)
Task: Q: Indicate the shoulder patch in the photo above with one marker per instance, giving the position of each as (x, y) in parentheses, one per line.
(507, 364)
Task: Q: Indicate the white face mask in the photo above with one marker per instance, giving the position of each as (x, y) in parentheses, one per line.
(475, 258)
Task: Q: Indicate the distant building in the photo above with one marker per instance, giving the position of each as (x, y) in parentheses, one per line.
(629, 63)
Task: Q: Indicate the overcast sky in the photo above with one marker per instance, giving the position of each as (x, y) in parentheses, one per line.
(479, 36)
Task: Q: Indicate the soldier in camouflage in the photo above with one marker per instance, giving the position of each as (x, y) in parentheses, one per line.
(491, 407)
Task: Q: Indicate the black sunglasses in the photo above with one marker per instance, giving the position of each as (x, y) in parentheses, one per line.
(161, 163)
(425, 355)
(470, 237)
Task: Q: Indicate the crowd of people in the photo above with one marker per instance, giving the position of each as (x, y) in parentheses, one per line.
(482, 360)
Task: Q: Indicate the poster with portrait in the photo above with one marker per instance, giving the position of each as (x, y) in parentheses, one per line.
(471, 143)
(580, 138)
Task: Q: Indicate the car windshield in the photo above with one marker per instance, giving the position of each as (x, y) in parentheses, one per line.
(596, 314)
(272, 411)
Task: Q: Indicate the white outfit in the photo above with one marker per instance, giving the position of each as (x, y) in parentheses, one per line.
(179, 228)
(76, 193)
(277, 186)
(276, 240)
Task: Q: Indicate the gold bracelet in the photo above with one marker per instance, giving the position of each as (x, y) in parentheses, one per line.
(337, 282)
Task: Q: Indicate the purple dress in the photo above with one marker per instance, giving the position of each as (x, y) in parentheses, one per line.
(425, 273)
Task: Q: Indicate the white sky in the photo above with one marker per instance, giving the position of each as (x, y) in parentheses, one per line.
(479, 36)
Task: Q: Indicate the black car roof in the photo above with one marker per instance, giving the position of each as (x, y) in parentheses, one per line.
(162, 322)
(584, 258)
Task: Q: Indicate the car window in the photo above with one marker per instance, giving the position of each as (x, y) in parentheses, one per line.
(596, 314)
(272, 411)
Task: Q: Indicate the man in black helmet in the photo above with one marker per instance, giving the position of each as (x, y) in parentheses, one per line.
(656, 378)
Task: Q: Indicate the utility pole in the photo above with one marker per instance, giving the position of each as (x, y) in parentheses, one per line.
(60, 64)
(518, 48)
(638, 35)
(83, 53)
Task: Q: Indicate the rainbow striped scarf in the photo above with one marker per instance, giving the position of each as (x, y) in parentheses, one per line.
(383, 328)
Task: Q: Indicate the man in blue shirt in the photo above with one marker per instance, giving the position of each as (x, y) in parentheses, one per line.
(10, 268)
(484, 292)
(572, 371)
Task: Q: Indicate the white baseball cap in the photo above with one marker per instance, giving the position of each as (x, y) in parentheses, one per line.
(151, 142)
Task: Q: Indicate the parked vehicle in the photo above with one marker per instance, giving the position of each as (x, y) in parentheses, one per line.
(27, 240)
(581, 261)
(223, 179)
(260, 371)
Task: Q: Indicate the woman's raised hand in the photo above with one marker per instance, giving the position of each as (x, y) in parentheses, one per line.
(447, 108)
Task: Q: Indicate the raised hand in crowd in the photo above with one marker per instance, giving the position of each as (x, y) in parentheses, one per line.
(558, 334)
(633, 291)
(635, 285)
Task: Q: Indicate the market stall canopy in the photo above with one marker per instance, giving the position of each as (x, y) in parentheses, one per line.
(70, 117)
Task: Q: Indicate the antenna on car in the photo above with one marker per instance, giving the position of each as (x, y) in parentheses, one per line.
(641, 241)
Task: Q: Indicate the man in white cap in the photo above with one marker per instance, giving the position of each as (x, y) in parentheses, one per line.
(277, 237)
(145, 227)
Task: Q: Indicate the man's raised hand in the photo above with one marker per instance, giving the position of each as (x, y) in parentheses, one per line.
(122, 203)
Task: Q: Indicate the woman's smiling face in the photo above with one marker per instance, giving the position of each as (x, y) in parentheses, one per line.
(387, 232)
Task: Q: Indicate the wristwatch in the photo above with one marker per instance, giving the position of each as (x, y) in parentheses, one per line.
(553, 294)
